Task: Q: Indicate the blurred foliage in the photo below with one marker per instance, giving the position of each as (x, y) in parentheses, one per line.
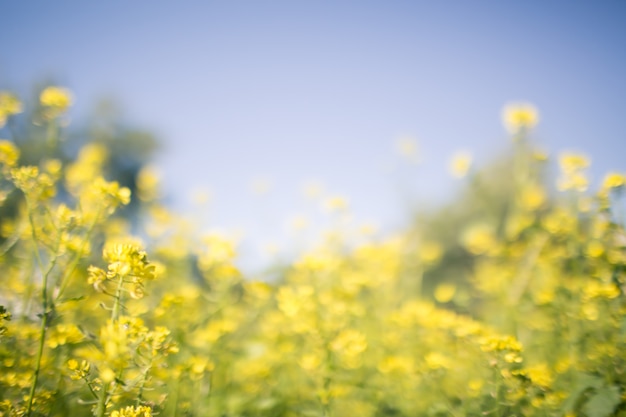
(43, 131)
(510, 302)
(491, 196)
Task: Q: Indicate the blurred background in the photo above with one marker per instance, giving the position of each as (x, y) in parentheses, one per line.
(268, 115)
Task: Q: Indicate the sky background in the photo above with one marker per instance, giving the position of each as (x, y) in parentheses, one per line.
(284, 93)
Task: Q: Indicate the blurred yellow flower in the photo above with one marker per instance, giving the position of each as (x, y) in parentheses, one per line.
(56, 97)
(436, 360)
(572, 168)
(573, 162)
(478, 239)
(460, 164)
(397, 364)
(140, 411)
(9, 105)
(445, 292)
(336, 204)
(519, 116)
(148, 182)
(430, 252)
(614, 180)
(9, 153)
(55, 100)
(532, 197)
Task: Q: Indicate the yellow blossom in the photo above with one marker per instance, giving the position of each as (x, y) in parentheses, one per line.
(9, 153)
(55, 100)
(436, 360)
(336, 204)
(130, 411)
(573, 175)
(9, 105)
(573, 162)
(614, 180)
(445, 292)
(478, 239)
(519, 116)
(460, 164)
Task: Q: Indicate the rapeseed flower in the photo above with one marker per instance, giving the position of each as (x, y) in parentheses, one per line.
(573, 176)
(518, 117)
(55, 101)
(130, 411)
(460, 164)
(614, 180)
(9, 106)
(9, 154)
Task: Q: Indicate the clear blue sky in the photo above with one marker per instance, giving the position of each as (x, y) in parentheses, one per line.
(298, 90)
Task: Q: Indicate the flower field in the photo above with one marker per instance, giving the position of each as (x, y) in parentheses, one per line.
(510, 302)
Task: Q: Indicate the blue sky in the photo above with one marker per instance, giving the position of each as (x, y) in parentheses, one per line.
(292, 92)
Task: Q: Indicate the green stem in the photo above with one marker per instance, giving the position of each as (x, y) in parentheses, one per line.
(44, 304)
(143, 382)
(33, 387)
(497, 385)
(51, 137)
(326, 406)
(175, 399)
(100, 410)
(115, 313)
(72, 266)
(102, 400)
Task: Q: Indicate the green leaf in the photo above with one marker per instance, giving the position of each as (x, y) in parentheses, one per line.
(584, 383)
(603, 402)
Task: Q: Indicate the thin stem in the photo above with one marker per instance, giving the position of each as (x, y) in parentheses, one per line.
(101, 409)
(115, 313)
(33, 387)
(44, 303)
(88, 383)
(176, 395)
(102, 400)
(497, 396)
(72, 266)
(143, 382)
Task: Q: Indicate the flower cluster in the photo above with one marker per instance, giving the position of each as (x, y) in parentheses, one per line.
(509, 302)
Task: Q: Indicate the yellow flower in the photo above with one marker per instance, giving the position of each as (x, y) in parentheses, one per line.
(336, 204)
(445, 292)
(56, 97)
(107, 375)
(572, 168)
(63, 334)
(140, 411)
(430, 252)
(349, 342)
(148, 182)
(519, 116)
(573, 162)
(9, 153)
(435, 360)
(478, 239)
(396, 364)
(310, 361)
(614, 180)
(72, 364)
(9, 105)
(460, 164)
